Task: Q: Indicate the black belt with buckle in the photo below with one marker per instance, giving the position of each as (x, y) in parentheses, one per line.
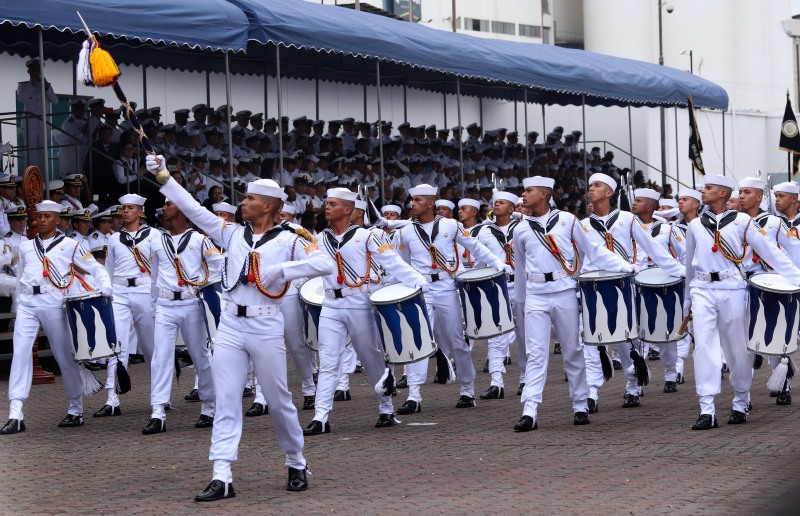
(37, 289)
(177, 296)
(131, 282)
(510, 277)
(241, 311)
(337, 293)
(434, 277)
(714, 276)
(548, 276)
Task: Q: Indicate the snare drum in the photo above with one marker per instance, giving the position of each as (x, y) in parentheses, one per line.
(606, 307)
(773, 314)
(659, 305)
(403, 324)
(91, 325)
(484, 294)
(311, 295)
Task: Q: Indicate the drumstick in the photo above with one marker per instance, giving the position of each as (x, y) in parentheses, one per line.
(684, 324)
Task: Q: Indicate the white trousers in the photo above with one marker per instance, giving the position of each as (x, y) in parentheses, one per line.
(522, 354)
(233, 349)
(26, 327)
(302, 355)
(189, 319)
(349, 360)
(561, 310)
(444, 313)
(335, 324)
(719, 323)
(133, 318)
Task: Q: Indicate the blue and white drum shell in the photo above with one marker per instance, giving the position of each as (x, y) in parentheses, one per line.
(485, 303)
(659, 305)
(773, 314)
(91, 326)
(311, 295)
(209, 295)
(403, 324)
(607, 308)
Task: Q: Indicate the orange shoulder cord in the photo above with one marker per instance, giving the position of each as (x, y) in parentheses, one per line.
(72, 274)
(253, 276)
(551, 241)
(718, 247)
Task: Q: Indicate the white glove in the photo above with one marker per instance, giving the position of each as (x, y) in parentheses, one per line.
(381, 223)
(424, 287)
(157, 166)
(516, 215)
(106, 291)
(508, 269)
(273, 273)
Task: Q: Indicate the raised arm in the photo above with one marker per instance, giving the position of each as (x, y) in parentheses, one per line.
(656, 251)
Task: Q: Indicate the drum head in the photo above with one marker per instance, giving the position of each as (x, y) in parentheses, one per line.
(313, 291)
(602, 276)
(478, 274)
(83, 295)
(393, 294)
(655, 277)
(773, 282)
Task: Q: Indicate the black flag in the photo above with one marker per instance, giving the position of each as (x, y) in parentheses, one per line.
(790, 140)
(695, 144)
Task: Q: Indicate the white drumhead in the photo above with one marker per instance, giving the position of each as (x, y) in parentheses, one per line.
(478, 274)
(83, 295)
(654, 276)
(601, 275)
(392, 293)
(313, 291)
(774, 282)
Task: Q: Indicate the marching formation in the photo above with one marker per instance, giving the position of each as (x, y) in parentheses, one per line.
(390, 294)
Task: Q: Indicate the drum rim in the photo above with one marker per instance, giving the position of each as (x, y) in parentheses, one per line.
(767, 289)
(417, 292)
(493, 276)
(308, 301)
(81, 296)
(613, 276)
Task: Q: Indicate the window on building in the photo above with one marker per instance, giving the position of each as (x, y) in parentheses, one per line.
(458, 22)
(546, 36)
(530, 31)
(545, 6)
(504, 28)
(476, 25)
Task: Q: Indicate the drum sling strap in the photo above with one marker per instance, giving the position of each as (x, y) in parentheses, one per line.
(549, 242)
(604, 228)
(55, 277)
(132, 241)
(713, 225)
(762, 219)
(332, 245)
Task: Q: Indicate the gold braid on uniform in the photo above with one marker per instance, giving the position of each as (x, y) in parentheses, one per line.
(183, 280)
(610, 244)
(745, 245)
(253, 276)
(551, 241)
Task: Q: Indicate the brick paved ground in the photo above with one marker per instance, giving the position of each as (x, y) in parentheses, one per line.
(628, 461)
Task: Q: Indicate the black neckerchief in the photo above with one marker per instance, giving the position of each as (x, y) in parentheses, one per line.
(41, 252)
(169, 247)
(335, 244)
(601, 226)
(552, 220)
(131, 241)
(713, 224)
(423, 236)
(762, 218)
(266, 237)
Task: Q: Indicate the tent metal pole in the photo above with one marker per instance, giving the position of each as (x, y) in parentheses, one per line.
(444, 108)
(480, 112)
(228, 121)
(316, 95)
(266, 78)
(380, 129)
(585, 165)
(630, 142)
(280, 113)
(365, 97)
(723, 147)
(460, 138)
(527, 153)
(515, 116)
(405, 102)
(677, 156)
(208, 83)
(544, 125)
(144, 78)
(45, 143)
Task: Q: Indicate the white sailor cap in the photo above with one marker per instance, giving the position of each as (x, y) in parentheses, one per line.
(288, 208)
(266, 187)
(735, 194)
(96, 245)
(672, 203)
(603, 178)
(361, 205)
(50, 206)
(647, 193)
(392, 208)
(470, 202)
(422, 189)
(446, 203)
(787, 187)
(132, 199)
(540, 181)
(690, 192)
(505, 196)
(223, 207)
(752, 182)
(727, 182)
(343, 194)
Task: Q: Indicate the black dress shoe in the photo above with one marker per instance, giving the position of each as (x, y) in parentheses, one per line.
(155, 426)
(631, 401)
(13, 426)
(359, 369)
(91, 366)
(314, 377)
(486, 366)
(653, 355)
(681, 379)
(557, 348)
(107, 411)
(737, 418)
(192, 396)
(465, 401)
(410, 407)
(670, 387)
(136, 359)
(216, 490)
(593, 405)
(402, 383)
(493, 393)
(725, 368)
(507, 360)
(298, 480)
(783, 398)
(617, 364)
(71, 421)
(342, 395)
(308, 402)
(257, 409)
(705, 422)
(248, 392)
(581, 418)
(204, 421)
(315, 428)
(525, 424)
(521, 388)
(385, 420)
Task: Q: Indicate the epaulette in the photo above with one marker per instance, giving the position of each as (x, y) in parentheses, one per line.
(302, 232)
